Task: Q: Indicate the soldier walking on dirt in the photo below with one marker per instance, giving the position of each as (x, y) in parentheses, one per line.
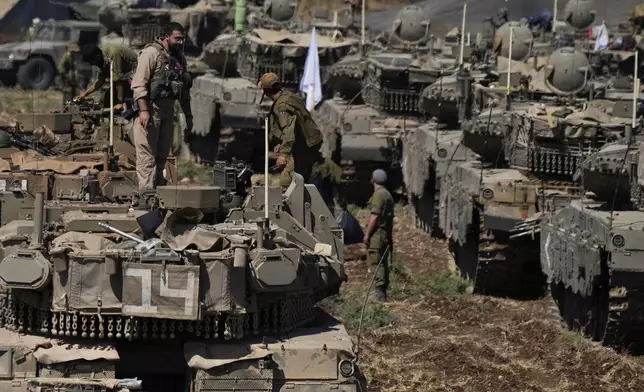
(299, 139)
(124, 63)
(379, 234)
(160, 79)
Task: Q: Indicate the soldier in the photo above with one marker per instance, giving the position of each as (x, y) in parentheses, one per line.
(379, 234)
(160, 79)
(298, 135)
(67, 71)
(124, 62)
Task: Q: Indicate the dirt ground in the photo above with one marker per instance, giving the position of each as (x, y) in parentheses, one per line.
(434, 336)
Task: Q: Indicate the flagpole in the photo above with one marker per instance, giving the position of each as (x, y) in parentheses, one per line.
(554, 17)
(463, 34)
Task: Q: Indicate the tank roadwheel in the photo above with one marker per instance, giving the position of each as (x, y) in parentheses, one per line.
(36, 74)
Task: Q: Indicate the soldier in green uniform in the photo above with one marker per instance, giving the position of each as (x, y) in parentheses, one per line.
(124, 62)
(299, 139)
(379, 234)
(67, 71)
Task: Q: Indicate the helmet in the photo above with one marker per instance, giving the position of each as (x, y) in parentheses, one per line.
(379, 176)
(521, 41)
(566, 71)
(411, 24)
(5, 140)
(580, 14)
(269, 80)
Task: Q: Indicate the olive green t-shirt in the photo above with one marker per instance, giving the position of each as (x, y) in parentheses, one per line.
(382, 205)
(125, 60)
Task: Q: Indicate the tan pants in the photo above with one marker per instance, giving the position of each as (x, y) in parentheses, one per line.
(153, 145)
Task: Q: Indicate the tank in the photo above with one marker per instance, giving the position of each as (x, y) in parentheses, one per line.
(391, 83)
(137, 26)
(491, 209)
(589, 249)
(195, 307)
(232, 107)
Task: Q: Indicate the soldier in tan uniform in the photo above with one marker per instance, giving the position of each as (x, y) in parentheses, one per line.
(160, 79)
(69, 78)
(291, 124)
(123, 61)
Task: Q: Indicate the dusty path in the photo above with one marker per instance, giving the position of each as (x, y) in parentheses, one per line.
(433, 336)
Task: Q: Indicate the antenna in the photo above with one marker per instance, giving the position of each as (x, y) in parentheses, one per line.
(266, 169)
(111, 106)
(364, 11)
(510, 59)
(463, 34)
(554, 16)
(636, 88)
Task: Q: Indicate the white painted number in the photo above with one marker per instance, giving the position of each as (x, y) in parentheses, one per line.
(178, 293)
(146, 291)
(165, 291)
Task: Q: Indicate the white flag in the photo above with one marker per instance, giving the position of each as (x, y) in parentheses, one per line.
(601, 40)
(310, 83)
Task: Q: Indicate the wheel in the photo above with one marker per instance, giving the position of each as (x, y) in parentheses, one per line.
(36, 74)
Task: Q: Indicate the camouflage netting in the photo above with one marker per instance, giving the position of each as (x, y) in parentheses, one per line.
(416, 161)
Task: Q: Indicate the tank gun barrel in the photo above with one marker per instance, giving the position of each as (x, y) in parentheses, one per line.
(121, 233)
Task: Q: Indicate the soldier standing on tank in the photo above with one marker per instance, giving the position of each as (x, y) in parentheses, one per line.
(160, 79)
(299, 139)
(379, 234)
(124, 63)
(67, 71)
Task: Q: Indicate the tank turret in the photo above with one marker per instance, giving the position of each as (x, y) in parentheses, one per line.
(280, 10)
(522, 41)
(411, 25)
(566, 71)
(580, 14)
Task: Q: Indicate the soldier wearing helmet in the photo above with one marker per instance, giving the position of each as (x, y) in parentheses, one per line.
(379, 234)
(69, 77)
(291, 124)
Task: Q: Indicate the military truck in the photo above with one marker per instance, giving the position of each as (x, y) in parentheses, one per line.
(198, 307)
(33, 63)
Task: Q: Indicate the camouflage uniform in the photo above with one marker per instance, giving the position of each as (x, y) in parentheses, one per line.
(161, 78)
(69, 78)
(124, 64)
(298, 135)
(381, 204)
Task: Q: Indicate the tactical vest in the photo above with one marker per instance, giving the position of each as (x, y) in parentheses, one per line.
(169, 77)
(305, 124)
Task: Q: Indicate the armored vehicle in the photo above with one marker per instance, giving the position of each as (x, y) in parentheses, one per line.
(491, 209)
(184, 306)
(33, 63)
(232, 110)
(590, 250)
(361, 136)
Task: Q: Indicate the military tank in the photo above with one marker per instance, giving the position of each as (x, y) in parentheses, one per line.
(491, 209)
(365, 131)
(589, 248)
(230, 109)
(183, 305)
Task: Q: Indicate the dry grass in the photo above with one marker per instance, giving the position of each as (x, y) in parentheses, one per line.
(433, 336)
(15, 100)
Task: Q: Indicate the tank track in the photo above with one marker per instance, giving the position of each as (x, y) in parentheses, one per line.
(498, 265)
(612, 315)
(292, 311)
(431, 196)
